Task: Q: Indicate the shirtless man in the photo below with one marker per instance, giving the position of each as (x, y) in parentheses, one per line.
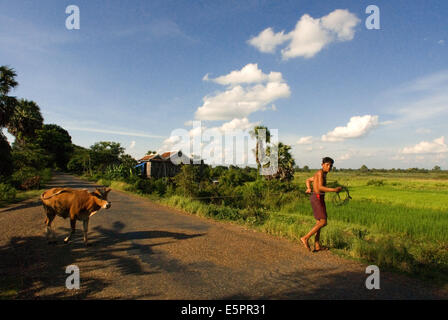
(317, 199)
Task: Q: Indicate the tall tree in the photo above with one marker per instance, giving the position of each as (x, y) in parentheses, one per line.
(7, 79)
(57, 142)
(286, 162)
(7, 106)
(25, 120)
(105, 153)
(257, 134)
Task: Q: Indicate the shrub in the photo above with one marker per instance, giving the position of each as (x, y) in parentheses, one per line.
(375, 182)
(7, 192)
(144, 186)
(31, 183)
(26, 178)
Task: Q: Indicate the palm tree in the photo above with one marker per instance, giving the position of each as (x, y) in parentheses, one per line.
(257, 134)
(7, 79)
(286, 162)
(25, 120)
(7, 104)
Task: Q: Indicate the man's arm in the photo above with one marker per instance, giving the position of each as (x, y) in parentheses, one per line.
(321, 188)
(308, 184)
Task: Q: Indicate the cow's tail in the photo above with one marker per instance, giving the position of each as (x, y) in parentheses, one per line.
(54, 194)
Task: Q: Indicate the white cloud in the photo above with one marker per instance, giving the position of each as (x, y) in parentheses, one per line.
(238, 124)
(239, 101)
(441, 42)
(436, 146)
(248, 74)
(267, 41)
(123, 133)
(305, 140)
(420, 100)
(432, 106)
(345, 156)
(358, 126)
(132, 145)
(310, 35)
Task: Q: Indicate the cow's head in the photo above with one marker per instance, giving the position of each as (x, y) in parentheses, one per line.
(101, 194)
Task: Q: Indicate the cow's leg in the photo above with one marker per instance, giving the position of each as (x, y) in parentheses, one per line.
(72, 230)
(86, 227)
(48, 230)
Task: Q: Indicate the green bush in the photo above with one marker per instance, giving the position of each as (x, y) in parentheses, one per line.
(7, 192)
(375, 182)
(145, 186)
(26, 178)
(150, 186)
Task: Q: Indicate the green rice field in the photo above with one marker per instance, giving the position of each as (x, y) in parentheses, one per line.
(396, 221)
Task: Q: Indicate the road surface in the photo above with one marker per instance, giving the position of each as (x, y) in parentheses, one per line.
(142, 250)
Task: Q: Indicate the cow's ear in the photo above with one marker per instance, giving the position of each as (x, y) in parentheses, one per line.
(108, 190)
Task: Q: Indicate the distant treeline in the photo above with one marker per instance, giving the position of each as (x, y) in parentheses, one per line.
(373, 170)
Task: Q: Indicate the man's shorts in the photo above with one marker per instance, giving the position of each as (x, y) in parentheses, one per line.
(318, 205)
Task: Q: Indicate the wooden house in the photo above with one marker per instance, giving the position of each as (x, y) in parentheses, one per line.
(167, 164)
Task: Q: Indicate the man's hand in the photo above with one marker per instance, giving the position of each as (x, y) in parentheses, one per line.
(308, 190)
(337, 189)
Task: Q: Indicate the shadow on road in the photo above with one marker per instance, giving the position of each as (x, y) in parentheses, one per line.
(332, 284)
(60, 179)
(37, 270)
(26, 205)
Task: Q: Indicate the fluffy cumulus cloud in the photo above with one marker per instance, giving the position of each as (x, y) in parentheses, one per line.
(305, 140)
(310, 35)
(345, 156)
(247, 90)
(238, 124)
(436, 146)
(248, 74)
(267, 41)
(358, 126)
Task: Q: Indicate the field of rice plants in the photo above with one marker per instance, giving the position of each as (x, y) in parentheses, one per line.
(394, 221)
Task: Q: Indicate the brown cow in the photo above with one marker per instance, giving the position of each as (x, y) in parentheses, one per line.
(73, 203)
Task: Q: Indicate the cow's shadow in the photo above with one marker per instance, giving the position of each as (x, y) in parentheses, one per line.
(33, 269)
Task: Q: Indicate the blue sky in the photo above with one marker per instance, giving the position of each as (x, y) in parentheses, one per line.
(136, 71)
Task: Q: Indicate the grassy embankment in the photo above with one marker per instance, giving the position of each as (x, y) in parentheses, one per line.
(10, 195)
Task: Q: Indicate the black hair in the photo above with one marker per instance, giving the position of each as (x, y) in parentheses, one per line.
(327, 160)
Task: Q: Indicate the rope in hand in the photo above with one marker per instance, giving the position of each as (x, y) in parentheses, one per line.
(339, 200)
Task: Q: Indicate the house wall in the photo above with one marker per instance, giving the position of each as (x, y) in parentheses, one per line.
(160, 169)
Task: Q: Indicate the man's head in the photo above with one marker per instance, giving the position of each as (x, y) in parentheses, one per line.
(327, 164)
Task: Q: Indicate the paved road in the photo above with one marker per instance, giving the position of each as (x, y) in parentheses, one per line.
(141, 250)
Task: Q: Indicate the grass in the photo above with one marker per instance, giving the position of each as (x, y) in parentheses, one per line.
(21, 196)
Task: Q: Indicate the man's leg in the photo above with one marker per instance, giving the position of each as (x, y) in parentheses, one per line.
(319, 224)
(317, 246)
(316, 240)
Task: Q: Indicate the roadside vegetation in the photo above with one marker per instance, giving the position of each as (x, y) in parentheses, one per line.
(25, 167)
